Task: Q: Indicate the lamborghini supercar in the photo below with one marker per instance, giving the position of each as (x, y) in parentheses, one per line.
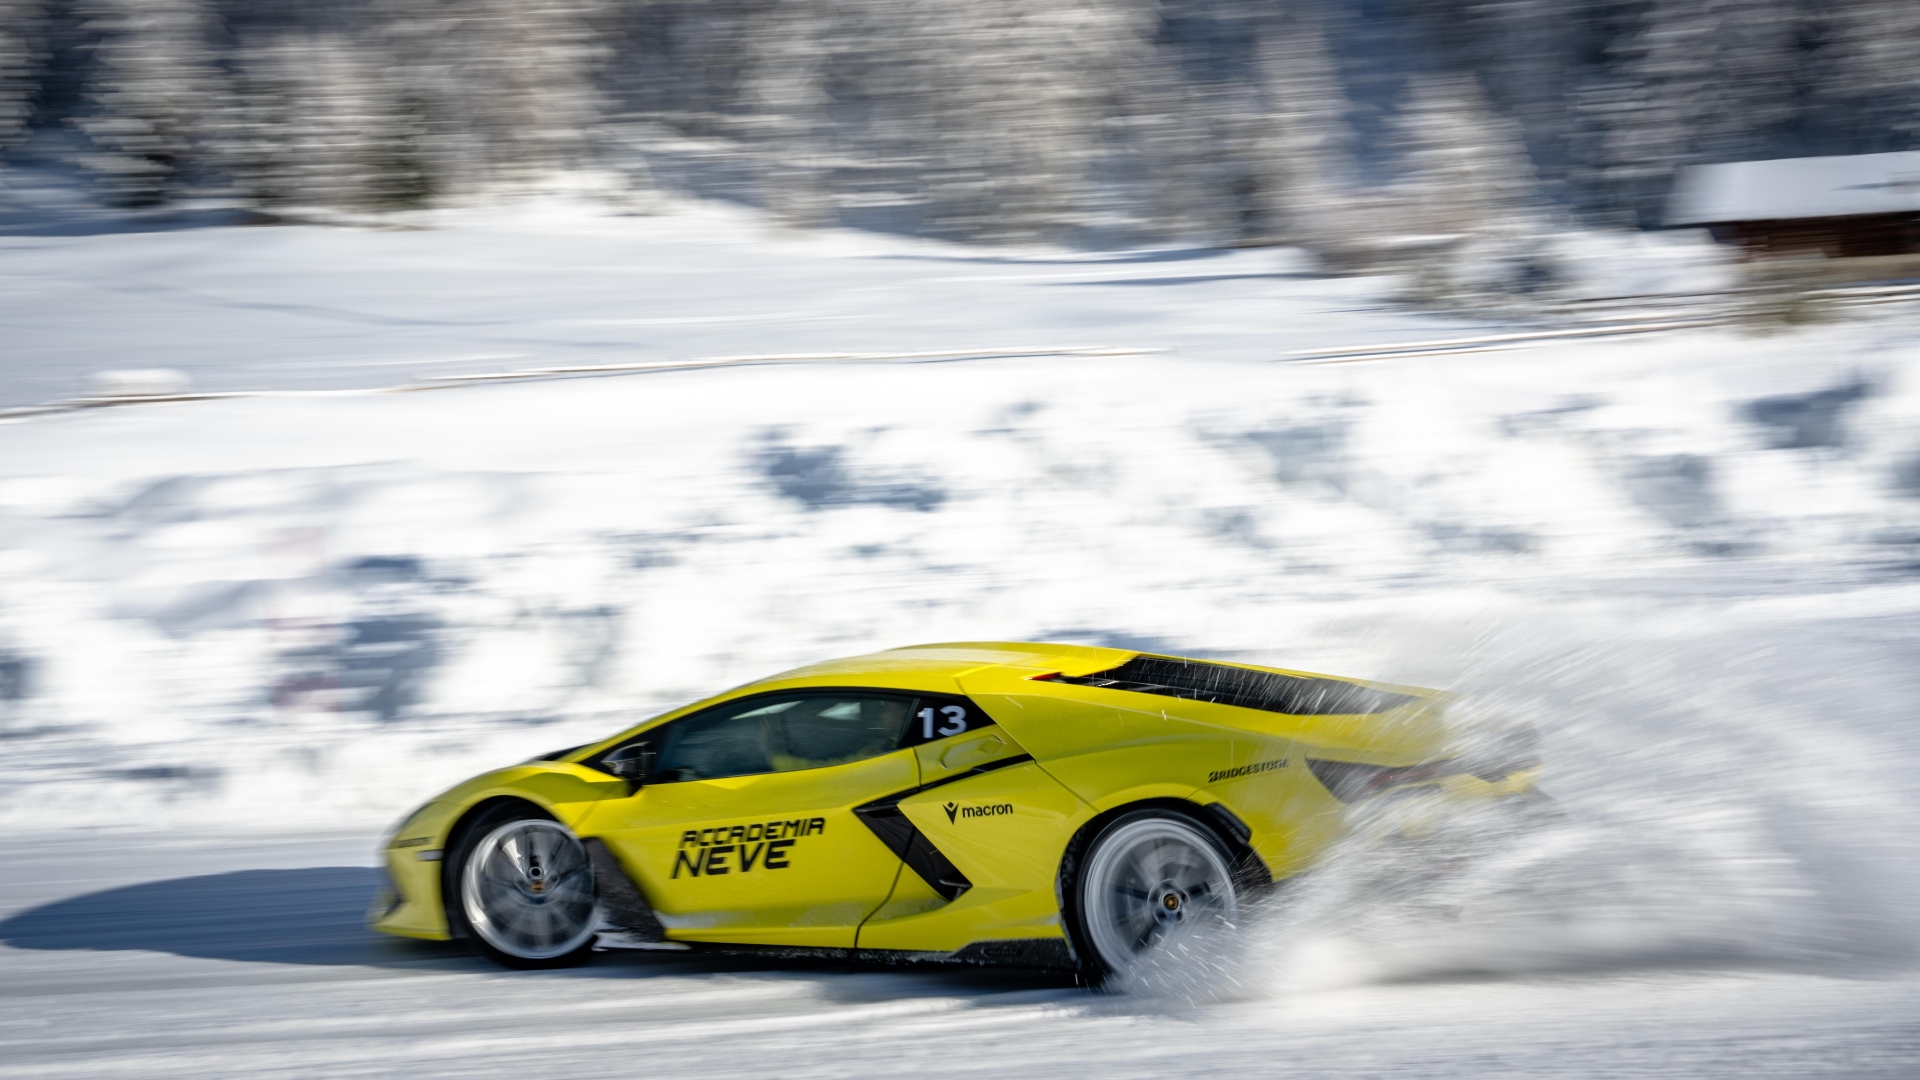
(1045, 806)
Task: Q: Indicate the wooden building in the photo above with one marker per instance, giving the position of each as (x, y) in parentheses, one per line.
(1861, 207)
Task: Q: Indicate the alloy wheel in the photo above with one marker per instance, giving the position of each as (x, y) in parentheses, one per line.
(1148, 881)
(527, 890)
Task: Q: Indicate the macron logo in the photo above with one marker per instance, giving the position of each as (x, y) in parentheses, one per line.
(952, 812)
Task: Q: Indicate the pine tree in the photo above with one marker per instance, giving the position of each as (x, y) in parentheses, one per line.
(323, 123)
(20, 27)
(997, 104)
(1307, 172)
(1466, 166)
(1628, 138)
(1728, 68)
(533, 65)
(1017, 100)
(788, 61)
(1701, 80)
(504, 90)
(153, 93)
(1214, 119)
(1876, 76)
(1468, 201)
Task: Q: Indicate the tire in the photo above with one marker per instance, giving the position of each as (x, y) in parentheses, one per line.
(1147, 878)
(519, 887)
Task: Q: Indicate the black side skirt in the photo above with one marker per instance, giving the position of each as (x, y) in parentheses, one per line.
(1034, 954)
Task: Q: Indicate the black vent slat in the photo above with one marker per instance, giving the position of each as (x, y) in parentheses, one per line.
(1295, 695)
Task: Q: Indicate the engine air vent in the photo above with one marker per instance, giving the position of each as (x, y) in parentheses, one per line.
(1295, 695)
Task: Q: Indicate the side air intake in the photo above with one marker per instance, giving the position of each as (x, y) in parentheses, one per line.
(1295, 695)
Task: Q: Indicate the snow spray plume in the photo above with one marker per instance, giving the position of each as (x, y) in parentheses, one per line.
(1707, 809)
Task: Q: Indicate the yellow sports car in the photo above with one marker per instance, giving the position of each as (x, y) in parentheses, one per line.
(1046, 806)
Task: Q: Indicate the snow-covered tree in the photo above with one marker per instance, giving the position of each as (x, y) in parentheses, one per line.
(1017, 97)
(153, 94)
(1307, 172)
(1697, 80)
(1876, 66)
(20, 23)
(505, 87)
(1189, 147)
(533, 75)
(322, 122)
(996, 104)
(1626, 140)
(1222, 120)
(1729, 70)
(788, 62)
(412, 101)
(1467, 207)
(1467, 171)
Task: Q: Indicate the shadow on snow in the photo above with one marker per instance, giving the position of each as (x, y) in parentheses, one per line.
(316, 916)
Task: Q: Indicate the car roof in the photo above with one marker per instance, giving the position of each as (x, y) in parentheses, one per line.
(957, 658)
(1077, 671)
(942, 667)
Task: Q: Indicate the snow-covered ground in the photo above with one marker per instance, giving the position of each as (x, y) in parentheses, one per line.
(291, 607)
(560, 282)
(191, 957)
(1693, 560)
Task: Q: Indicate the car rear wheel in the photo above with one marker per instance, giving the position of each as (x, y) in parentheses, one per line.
(1150, 879)
(523, 890)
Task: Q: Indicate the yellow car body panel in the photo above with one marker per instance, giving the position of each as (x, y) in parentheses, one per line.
(567, 791)
(409, 904)
(772, 859)
(1267, 785)
(1005, 830)
(826, 857)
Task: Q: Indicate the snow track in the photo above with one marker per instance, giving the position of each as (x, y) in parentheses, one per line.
(162, 956)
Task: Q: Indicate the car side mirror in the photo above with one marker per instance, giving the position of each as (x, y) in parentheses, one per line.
(632, 762)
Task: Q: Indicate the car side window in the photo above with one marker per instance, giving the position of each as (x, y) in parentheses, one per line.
(782, 733)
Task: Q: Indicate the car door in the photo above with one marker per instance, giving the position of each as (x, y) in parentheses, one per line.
(744, 830)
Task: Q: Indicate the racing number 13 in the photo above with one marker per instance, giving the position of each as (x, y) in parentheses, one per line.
(956, 721)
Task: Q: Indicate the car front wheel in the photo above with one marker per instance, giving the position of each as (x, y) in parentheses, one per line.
(523, 890)
(1149, 879)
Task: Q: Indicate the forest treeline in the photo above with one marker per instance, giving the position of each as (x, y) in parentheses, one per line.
(1302, 121)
